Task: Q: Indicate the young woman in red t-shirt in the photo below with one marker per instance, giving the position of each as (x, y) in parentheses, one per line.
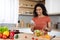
(41, 20)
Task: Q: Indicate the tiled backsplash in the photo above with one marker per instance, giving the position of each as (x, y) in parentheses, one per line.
(55, 19)
(27, 19)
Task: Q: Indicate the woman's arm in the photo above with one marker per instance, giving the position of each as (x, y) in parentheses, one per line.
(32, 25)
(48, 28)
(32, 28)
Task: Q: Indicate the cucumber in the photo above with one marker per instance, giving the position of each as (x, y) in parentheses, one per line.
(16, 36)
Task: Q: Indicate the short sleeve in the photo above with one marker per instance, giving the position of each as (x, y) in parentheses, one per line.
(32, 22)
(48, 19)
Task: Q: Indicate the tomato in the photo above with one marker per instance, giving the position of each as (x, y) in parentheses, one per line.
(11, 39)
(36, 38)
(25, 36)
(4, 36)
(12, 34)
(1, 35)
(32, 38)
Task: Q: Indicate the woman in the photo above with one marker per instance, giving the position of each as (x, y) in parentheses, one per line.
(41, 20)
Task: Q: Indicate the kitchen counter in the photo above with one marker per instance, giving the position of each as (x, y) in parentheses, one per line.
(29, 33)
(28, 36)
(52, 33)
(56, 38)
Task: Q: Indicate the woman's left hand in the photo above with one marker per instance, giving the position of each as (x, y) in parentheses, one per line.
(45, 29)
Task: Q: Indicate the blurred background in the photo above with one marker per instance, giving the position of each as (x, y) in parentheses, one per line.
(18, 13)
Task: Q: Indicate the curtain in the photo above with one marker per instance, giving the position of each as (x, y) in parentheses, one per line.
(9, 11)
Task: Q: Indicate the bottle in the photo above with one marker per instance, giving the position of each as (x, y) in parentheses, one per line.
(21, 23)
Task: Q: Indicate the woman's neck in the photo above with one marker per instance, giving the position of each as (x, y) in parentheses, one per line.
(40, 15)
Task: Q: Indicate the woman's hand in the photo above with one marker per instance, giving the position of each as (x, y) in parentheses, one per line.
(32, 27)
(47, 29)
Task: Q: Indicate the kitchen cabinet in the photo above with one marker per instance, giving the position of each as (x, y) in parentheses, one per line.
(53, 6)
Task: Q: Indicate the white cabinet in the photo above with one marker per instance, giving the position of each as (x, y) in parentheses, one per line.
(53, 6)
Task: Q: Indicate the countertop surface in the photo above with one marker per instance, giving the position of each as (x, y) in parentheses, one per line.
(28, 36)
(52, 33)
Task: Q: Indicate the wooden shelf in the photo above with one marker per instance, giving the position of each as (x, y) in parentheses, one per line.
(36, 0)
(27, 7)
(25, 14)
(48, 14)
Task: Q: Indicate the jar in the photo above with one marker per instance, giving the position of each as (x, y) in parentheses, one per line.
(27, 24)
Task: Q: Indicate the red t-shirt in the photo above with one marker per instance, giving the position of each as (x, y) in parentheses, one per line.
(40, 22)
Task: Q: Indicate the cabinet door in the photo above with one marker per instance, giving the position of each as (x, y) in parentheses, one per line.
(53, 6)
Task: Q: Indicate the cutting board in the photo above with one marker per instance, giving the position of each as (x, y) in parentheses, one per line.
(26, 36)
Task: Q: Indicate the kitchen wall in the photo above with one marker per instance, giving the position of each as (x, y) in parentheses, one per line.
(9, 11)
(55, 20)
(27, 19)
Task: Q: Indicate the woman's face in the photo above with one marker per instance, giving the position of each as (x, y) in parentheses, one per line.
(39, 10)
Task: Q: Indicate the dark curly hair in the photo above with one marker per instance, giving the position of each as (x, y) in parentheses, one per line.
(43, 8)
